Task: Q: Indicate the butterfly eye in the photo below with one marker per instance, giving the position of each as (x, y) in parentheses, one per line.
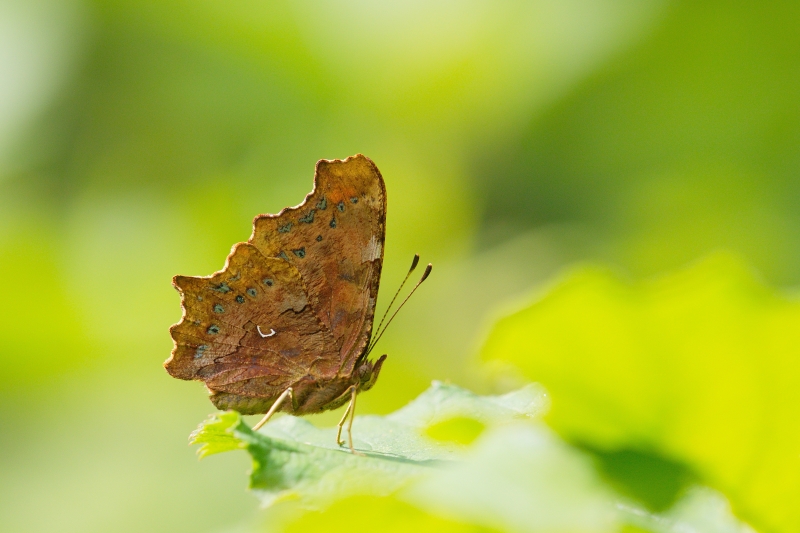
(364, 373)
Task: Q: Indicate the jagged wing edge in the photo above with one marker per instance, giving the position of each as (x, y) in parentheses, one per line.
(184, 310)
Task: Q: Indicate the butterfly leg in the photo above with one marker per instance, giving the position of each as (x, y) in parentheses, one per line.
(351, 412)
(353, 393)
(339, 440)
(275, 406)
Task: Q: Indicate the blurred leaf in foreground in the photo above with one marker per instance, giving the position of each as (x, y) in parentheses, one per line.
(418, 474)
(699, 370)
(292, 459)
(521, 477)
(368, 514)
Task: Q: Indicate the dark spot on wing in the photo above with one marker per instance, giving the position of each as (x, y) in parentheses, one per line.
(213, 329)
(240, 299)
(268, 282)
(309, 218)
(251, 292)
(322, 204)
(222, 287)
(333, 222)
(340, 207)
(319, 238)
(354, 199)
(300, 252)
(285, 228)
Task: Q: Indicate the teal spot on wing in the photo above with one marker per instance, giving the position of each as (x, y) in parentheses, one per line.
(309, 218)
(283, 256)
(213, 329)
(240, 299)
(322, 204)
(333, 222)
(222, 287)
(354, 199)
(268, 282)
(199, 352)
(251, 292)
(340, 207)
(300, 252)
(218, 308)
(285, 228)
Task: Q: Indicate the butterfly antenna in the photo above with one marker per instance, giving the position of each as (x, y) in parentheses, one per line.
(423, 278)
(414, 263)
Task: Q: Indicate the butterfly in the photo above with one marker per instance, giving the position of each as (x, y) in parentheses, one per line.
(287, 324)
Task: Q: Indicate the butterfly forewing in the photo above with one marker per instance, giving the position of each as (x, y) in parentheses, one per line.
(335, 240)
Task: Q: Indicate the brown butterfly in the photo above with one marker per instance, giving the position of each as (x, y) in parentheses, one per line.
(287, 324)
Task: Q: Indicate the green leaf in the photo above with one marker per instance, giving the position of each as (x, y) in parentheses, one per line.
(521, 477)
(461, 430)
(215, 435)
(516, 475)
(370, 514)
(699, 369)
(292, 459)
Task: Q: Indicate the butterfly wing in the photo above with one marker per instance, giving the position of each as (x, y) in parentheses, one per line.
(294, 305)
(335, 240)
(249, 332)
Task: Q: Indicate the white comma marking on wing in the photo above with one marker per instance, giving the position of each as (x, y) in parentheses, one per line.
(265, 335)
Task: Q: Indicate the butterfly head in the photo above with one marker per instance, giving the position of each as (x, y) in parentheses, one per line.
(368, 373)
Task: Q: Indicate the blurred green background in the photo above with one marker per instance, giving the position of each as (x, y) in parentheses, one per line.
(139, 138)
